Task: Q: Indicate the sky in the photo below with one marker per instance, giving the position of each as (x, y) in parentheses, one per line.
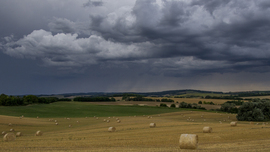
(67, 46)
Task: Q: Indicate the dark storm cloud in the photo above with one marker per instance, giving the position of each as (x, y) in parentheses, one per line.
(176, 38)
(91, 3)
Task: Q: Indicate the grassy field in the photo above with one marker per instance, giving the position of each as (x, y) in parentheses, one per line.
(132, 134)
(80, 109)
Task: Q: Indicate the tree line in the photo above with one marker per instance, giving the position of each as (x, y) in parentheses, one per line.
(6, 100)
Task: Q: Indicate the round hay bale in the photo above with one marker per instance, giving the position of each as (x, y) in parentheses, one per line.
(39, 133)
(9, 137)
(68, 118)
(11, 130)
(3, 132)
(18, 134)
(97, 118)
(104, 120)
(207, 129)
(111, 129)
(77, 121)
(108, 121)
(118, 121)
(55, 120)
(56, 123)
(69, 126)
(9, 124)
(148, 117)
(117, 118)
(152, 125)
(188, 141)
(233, 124)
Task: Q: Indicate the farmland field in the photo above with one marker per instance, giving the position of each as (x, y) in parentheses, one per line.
(132, 134)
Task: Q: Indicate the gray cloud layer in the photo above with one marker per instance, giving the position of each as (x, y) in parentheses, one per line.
(172, 38)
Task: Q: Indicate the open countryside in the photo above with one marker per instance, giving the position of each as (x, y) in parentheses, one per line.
(83, 126)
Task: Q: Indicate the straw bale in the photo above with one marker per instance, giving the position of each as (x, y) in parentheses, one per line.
(55, 120)
(11, 130)
(118, 121)
(18, 134)
(104, 120)
(233, 124)
(9, 124)
(152, 125)
(207, 129)
(69, 126)
(111, 129)
(108, 121)
(3, 132)
(39, 133)
(9, 137)
(97, 118)
(188, 141)
(56, 123)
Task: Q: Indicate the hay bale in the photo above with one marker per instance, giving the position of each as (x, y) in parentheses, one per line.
(104, 120)
(11, 130)
(39, 133)
(77, 121)
(117, 118)
(188, 141)
(111, 129)
(3, 132)
(233, 124)
(69, 126)
(18, 134)
(108, 121)
(118, 121)
(148, 117)
(68, 118)
(207, 129)
(56, 123)
(9, 124)
(97, 118)
(37, 117)
(55, 120)
(152, 125)
(9, 137)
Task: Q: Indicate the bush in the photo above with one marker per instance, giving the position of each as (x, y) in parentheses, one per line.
(163, 105)
(173, 105)
(200, 102)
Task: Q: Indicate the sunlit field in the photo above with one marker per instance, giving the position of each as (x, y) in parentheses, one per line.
(88, 133)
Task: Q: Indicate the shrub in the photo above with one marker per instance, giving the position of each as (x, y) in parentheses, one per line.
(163, 105)
(173, 105)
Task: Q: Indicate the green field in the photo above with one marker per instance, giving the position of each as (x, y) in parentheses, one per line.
(81, 109)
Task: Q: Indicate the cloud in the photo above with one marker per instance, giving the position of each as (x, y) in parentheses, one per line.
(91, 3)
(173, 38)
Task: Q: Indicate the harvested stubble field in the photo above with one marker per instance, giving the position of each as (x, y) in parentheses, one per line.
(134, 133)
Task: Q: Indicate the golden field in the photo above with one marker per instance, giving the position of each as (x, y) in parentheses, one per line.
(134, 133)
